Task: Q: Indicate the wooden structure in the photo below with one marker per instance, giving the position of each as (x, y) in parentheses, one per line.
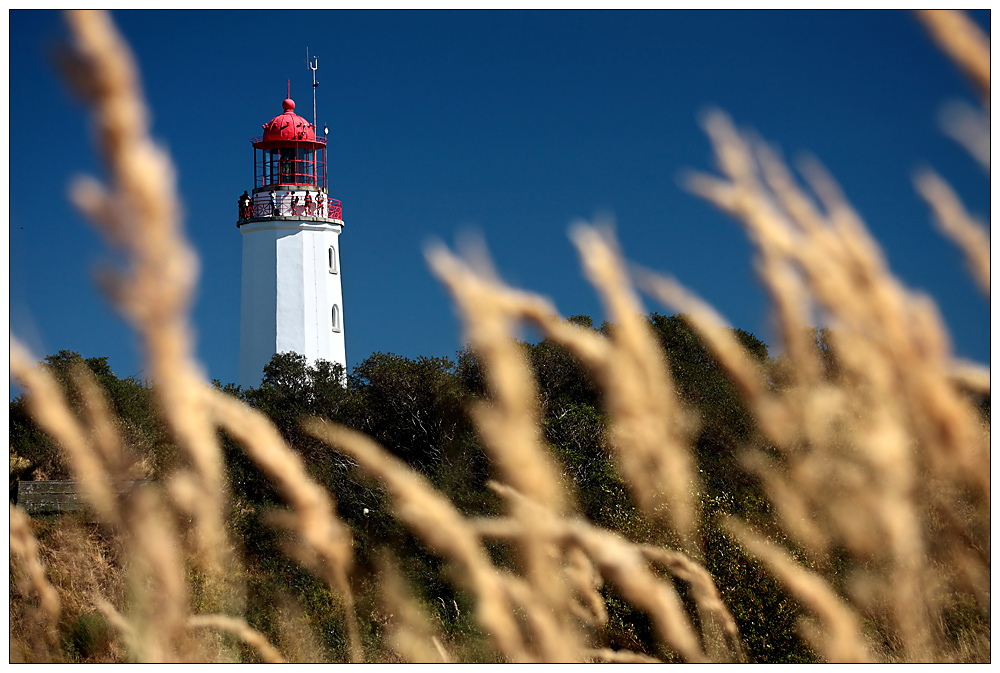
(45, 498)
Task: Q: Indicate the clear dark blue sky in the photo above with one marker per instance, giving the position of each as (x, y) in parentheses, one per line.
(513, 124)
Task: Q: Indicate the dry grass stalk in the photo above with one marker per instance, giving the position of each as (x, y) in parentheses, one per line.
(971, 376)
(443, 653)
(32, 579)
(970, 128)
(434, 519)
(126, 631)
(774, 239)
(49, 408)
(822, 253)
(718, 627)
(296, 637)
(620, 656)
(24, 546)
(964, 42)
(548, 595)
(620, 562)
(82, 562)
(552, 635)
(967, 233)
(241, 630)
(623, 563)
(647, 425)
(509, 424)
(99, 466)
(104, 437)
(841, 639)
(748, 377)
(629, 367)
(326, 537)
(873, 435)
(510, 427)
(411, 636)
(586, 581)
(158, 582)
(140, 214)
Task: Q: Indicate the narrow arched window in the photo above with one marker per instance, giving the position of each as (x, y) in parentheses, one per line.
(332, 259)
(335, 317)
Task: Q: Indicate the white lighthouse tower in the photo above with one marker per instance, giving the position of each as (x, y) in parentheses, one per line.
(291, 299)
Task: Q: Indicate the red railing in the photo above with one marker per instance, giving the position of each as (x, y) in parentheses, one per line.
(292, 204)
(319, 139)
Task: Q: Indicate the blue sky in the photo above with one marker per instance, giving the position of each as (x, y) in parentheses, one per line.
(512, 124)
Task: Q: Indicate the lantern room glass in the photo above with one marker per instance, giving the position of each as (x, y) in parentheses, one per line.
(290, 166)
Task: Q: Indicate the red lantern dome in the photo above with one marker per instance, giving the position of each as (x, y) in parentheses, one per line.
(289, 153)
(288, 126)
(289, 173)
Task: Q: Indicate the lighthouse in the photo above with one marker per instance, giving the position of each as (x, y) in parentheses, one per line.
(292, 297)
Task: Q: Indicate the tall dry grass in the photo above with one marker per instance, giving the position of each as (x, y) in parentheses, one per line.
(878, 471)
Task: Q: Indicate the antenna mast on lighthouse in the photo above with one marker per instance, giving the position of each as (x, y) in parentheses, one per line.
(313, 66)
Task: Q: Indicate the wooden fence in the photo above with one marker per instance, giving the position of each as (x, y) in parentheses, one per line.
(39, 498)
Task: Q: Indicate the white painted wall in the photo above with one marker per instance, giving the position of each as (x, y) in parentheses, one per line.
(288, 294)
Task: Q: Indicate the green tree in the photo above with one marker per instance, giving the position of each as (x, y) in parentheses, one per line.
(562, 379)
(292, 390)
(34, 455)
(414, 408)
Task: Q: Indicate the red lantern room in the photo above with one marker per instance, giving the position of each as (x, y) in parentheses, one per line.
(289, 173)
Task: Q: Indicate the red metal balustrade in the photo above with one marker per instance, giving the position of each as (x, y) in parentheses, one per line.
(320, 140)
(284, 205)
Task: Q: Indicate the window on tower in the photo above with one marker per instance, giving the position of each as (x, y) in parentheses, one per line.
(288, 165)
(332, 258)
(305, 172)
(276, 168)
(335, 318)
(320, 167)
